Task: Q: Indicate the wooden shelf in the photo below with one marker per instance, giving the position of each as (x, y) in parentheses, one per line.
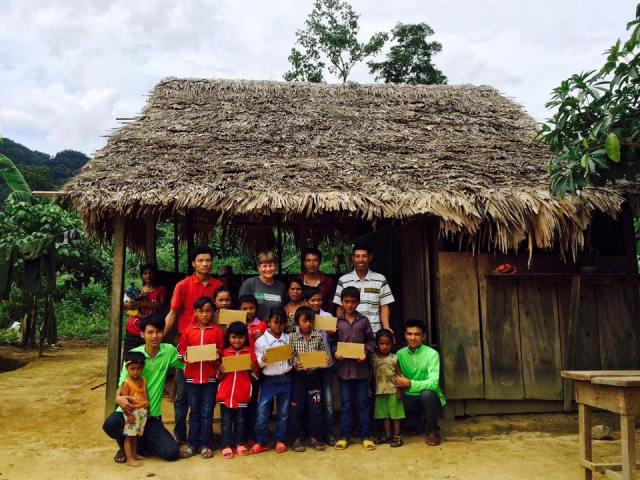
(565, 277)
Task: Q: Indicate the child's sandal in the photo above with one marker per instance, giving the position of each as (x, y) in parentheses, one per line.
(341, 444)
(382, 440)
(242, 450)
(397, 441)
(368, 444)
(297, 446)
(227, 453)
(206, 452)
(316, 445)
(188, 452)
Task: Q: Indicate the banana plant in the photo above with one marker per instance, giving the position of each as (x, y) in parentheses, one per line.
(12, 176)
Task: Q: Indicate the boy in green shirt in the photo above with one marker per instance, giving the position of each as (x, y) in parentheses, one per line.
(420, 367)
(156, 440)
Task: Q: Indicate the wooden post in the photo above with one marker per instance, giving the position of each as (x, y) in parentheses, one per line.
(584, 430)
(150, 239)
(190, 242)
(628, 438)
(176, 249)
(115, 314)
(570, 348)
(279, 248)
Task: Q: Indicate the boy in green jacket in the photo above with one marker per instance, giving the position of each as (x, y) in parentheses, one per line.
(420, 367)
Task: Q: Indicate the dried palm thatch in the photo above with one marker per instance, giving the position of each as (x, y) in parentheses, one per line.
(297, 152)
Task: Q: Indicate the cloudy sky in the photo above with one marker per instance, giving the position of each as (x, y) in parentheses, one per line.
(68, 68)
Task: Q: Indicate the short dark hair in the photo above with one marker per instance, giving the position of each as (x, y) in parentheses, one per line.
(148, 266)
(304, 312)
(221, 289)
(201, 302)
(310, 251)
(200, 250)
(236, 328)
(280, 313)
(384, 332)
(308, 292)
(415, 323)
(136, 358)
(295, 280)
(352, 292)
(247, 299)
(155, 320)
(362, 245)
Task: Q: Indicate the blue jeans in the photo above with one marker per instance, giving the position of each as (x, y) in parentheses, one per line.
(327, 400)
(201, 401)
(278, 388)
(354, 393)
(233, 422)
(180, 407)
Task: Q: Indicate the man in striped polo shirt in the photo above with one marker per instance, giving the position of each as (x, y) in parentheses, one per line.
(375, 295)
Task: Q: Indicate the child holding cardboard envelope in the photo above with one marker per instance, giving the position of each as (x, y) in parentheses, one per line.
(354, 331)
(306, 387)
(235, 391)
(201, 374)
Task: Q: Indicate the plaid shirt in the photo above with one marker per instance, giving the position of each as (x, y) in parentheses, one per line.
(299, 344)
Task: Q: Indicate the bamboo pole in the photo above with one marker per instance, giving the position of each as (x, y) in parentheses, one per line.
(150, 240)
(190, 242)
(176, 248)
(115, 315)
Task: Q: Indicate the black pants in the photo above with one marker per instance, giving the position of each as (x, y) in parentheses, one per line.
(156, 439)
(233, 422)
(306, 391)
(416, 407)
(252, 410)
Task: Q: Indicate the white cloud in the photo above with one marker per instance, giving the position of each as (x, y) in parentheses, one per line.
(69, 68)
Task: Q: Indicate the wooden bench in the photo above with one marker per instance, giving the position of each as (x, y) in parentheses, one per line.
(617, 391)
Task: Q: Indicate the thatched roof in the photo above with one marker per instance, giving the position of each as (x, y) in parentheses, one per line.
(253, 149)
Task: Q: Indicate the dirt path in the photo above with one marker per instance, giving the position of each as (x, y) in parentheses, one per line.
(50, 422)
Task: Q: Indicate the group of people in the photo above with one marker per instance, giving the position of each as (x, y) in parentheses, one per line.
(399, 390)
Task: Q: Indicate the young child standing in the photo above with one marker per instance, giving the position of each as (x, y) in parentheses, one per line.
(353, 374)
(306, 384)
(388, 403)
(313, 299)
(235, 392)
(276, 384)
(221, 299)
(201, 377)
(135, 388)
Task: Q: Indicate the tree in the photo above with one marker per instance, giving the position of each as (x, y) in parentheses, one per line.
(595, 133)
(330, 39)
(409, 60)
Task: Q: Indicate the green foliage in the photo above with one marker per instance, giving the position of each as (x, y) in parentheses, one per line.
(410, 59)
(9, 336)
(330, 39)
(84, 313)
(11, 175)
(595, 132)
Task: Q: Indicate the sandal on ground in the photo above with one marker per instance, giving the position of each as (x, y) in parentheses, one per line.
(433, 440)
(227, 453)
(188, 452)
(120, 457)
(368, 444)
(316, 445)
(382, 440)
(281, 447)
(206, 452)
(298, 446)
(257, 448)
(242, 450)
(341, 444)
(396, 441)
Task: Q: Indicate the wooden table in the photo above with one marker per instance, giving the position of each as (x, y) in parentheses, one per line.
(617, 391)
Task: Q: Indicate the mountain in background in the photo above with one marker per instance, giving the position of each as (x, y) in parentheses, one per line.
(41, 170)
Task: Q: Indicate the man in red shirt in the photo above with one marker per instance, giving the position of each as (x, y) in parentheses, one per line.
(187, 291)
(311, 276)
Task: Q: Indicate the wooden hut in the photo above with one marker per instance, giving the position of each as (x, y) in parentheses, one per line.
(447, 182)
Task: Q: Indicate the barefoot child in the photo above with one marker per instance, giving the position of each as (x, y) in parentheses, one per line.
(276, 384)
(235, 392)
(201, 377)
(135, 388)
(306, 384)
(388, 403)
(353, 374)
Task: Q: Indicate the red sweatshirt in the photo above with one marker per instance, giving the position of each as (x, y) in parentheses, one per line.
(235, 387)
(256, 326)
(201, 372)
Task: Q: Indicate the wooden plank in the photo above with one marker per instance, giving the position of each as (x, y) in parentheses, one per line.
(601, 467)
(621, 400)
(589, 374)
(584, 434)
(150, 239)
(115, 315)
(539, 333)
(502, 356)
(413, 255)
(617, 325)
(629, 381)
(459, 325)
(507, 407)
(628, 440)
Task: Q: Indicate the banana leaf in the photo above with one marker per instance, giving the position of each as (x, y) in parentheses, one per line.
(12, 175)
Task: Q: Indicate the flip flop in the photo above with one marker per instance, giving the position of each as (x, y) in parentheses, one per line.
(227, 453)
(341, 444)
(206, 452)
(368, 444)
(120, 457)
(396, 441)
(316, 445)
(433, 440)
(242, 450)
(281, 447)
(188, 452)
(298, 446)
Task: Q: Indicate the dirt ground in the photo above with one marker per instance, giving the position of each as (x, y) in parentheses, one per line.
(50, 421)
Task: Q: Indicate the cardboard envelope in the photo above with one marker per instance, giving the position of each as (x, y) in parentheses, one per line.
(227, 317)
(236, 363)
(322, 322)
(313, 359)
(201, 353)
(350, 350)
(279, 354)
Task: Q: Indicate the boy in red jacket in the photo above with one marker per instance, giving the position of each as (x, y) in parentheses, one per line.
(235, 391)
(201, 377)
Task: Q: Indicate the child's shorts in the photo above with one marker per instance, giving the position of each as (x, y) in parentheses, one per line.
(136, 428)
(388, 406)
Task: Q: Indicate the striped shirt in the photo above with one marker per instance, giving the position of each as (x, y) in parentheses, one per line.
(374, 291)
